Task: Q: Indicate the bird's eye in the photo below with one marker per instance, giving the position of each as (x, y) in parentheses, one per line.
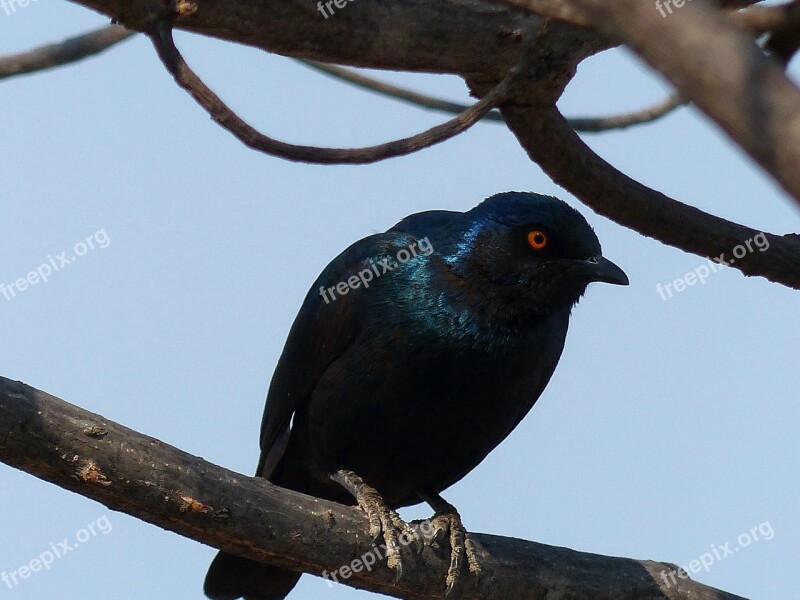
(537, 239)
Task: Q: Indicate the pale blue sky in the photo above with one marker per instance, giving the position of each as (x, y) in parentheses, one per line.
(669, 427)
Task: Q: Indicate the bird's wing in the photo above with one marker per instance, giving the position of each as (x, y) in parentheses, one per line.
(321, 332)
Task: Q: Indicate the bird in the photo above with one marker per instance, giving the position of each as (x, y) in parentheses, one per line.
(414, 354)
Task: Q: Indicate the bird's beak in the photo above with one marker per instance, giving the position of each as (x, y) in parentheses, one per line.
(598, 268)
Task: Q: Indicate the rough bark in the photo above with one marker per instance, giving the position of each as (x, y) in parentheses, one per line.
(153, 481)
(728, 77)
(550, 142)
(480, 40)
(446, 36)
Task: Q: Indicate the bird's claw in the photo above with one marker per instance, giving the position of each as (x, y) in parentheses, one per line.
(382, 520)
(408, 534)
(460, 545)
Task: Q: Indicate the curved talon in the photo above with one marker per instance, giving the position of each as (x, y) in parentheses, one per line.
(472, 558)
(451, 523)
(393, 558)
(370, 503)
(439, 533)
(447, 520)
(382, 519)
(407, 531)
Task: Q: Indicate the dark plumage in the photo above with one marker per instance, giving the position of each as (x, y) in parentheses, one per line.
(410, 382)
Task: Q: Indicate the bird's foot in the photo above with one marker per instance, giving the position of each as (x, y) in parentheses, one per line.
(460, 545)
(446, 520)
(382, 519)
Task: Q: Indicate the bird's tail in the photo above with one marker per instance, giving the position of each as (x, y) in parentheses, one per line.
(230, 577)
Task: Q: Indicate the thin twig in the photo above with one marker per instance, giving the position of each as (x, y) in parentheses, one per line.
(761, 19)
(394, 91)
(581, 124)
(784, 38)
(161, 36)
(89, 44)
(621, 121)
(62, 53)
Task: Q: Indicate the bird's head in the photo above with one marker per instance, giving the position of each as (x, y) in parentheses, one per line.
(529, 252)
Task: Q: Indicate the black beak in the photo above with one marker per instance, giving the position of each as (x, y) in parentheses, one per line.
(598, 268)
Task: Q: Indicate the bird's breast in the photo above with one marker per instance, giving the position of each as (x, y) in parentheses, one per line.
(418, 407)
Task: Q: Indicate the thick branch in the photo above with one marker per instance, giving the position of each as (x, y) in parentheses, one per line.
(579, 12)
(446, 36)
(148, 479)
(551, 143)
(481, 40)
(729, 77)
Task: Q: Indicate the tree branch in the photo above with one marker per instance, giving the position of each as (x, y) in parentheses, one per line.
(580, 13)
(762, 19)
(393, 91)
(553, 145)
(480, 41)
(625, 120)
(62, 53)
(148, 479)
(80, 47)
(580, 124)
(729, 77)
(448, 36)
(161, 37)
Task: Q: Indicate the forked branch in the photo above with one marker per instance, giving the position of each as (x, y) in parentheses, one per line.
(161, 36)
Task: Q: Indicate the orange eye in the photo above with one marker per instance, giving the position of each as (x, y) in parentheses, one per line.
(537, 239)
